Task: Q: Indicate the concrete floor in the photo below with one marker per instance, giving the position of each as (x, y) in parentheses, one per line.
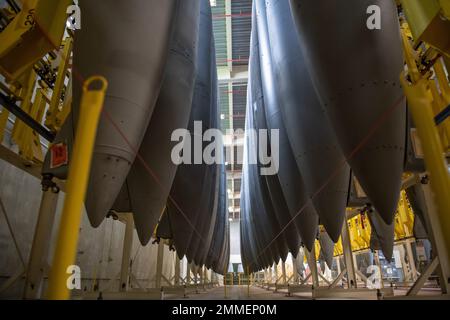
(239, 293)
(256, 293)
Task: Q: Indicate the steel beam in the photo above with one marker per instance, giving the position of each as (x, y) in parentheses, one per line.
(414, 290)
(437, 238)
(159, 264)
(311, 257)
(38, 261)
(348, 257)
(176, 281)
(188, 273)
(295, 270)
(127, 218)
(283, 272)
(412, 263)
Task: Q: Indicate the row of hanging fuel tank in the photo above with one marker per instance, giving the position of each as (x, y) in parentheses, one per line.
(159, 60)
(330, 85)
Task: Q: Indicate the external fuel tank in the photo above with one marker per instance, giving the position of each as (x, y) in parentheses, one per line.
(191, 182)
(282, 183)
(134, 66)
(355, 70)
(319, 158)
(148, 192)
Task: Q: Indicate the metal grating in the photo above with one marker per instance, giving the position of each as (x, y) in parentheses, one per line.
(239, 106)
(241, 30)
(220, 32)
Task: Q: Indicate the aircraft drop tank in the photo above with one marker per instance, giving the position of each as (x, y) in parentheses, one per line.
(269, 187)
(320, 161)
(286, 187)
(326, 248)
(191, 183)
(219, 224)
(134, 67)
(149, 191)
(356, 73)
(382, 236)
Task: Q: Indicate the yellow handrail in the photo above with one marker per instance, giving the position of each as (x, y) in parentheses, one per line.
(65, 252)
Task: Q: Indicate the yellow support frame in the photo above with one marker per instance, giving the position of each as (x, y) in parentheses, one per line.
(440, 89)
(4, 114)
(52, 120)
(31, 140)
(445, 5)
(420, 102)
(26, 95)
(35, 31)
(427, 24)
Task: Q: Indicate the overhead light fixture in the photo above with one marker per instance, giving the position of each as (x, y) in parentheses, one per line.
(222, 116)
(230, 209)
(230, 219)
(213, 3)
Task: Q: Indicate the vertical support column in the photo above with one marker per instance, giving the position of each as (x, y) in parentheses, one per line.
(378, 264)
(437, 239)
(176, 281)
(202, 279)
(159, 264)
(188, 273)
(283, 272)
(437, 194)
(405, 266)
(270, 275)
(295, 269)
(355, 266)
(311, 256)
(348, 257)
(195, 274)
(248, 282)
(225, 283)
(38, 262)
(126, 218)
(275, 267)
(412, 262)
(338, 264)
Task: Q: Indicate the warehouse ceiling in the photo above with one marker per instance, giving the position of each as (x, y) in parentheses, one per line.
(232, 28)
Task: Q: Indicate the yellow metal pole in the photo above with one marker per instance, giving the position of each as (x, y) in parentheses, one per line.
(248, 282)
(225, 282)
(4, 114)
(53, 109)
(420, 105)
(65, 252)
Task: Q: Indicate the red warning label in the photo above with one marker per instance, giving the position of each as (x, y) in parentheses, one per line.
(59, 155)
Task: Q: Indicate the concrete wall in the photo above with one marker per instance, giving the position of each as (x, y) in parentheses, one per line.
(99, 251)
